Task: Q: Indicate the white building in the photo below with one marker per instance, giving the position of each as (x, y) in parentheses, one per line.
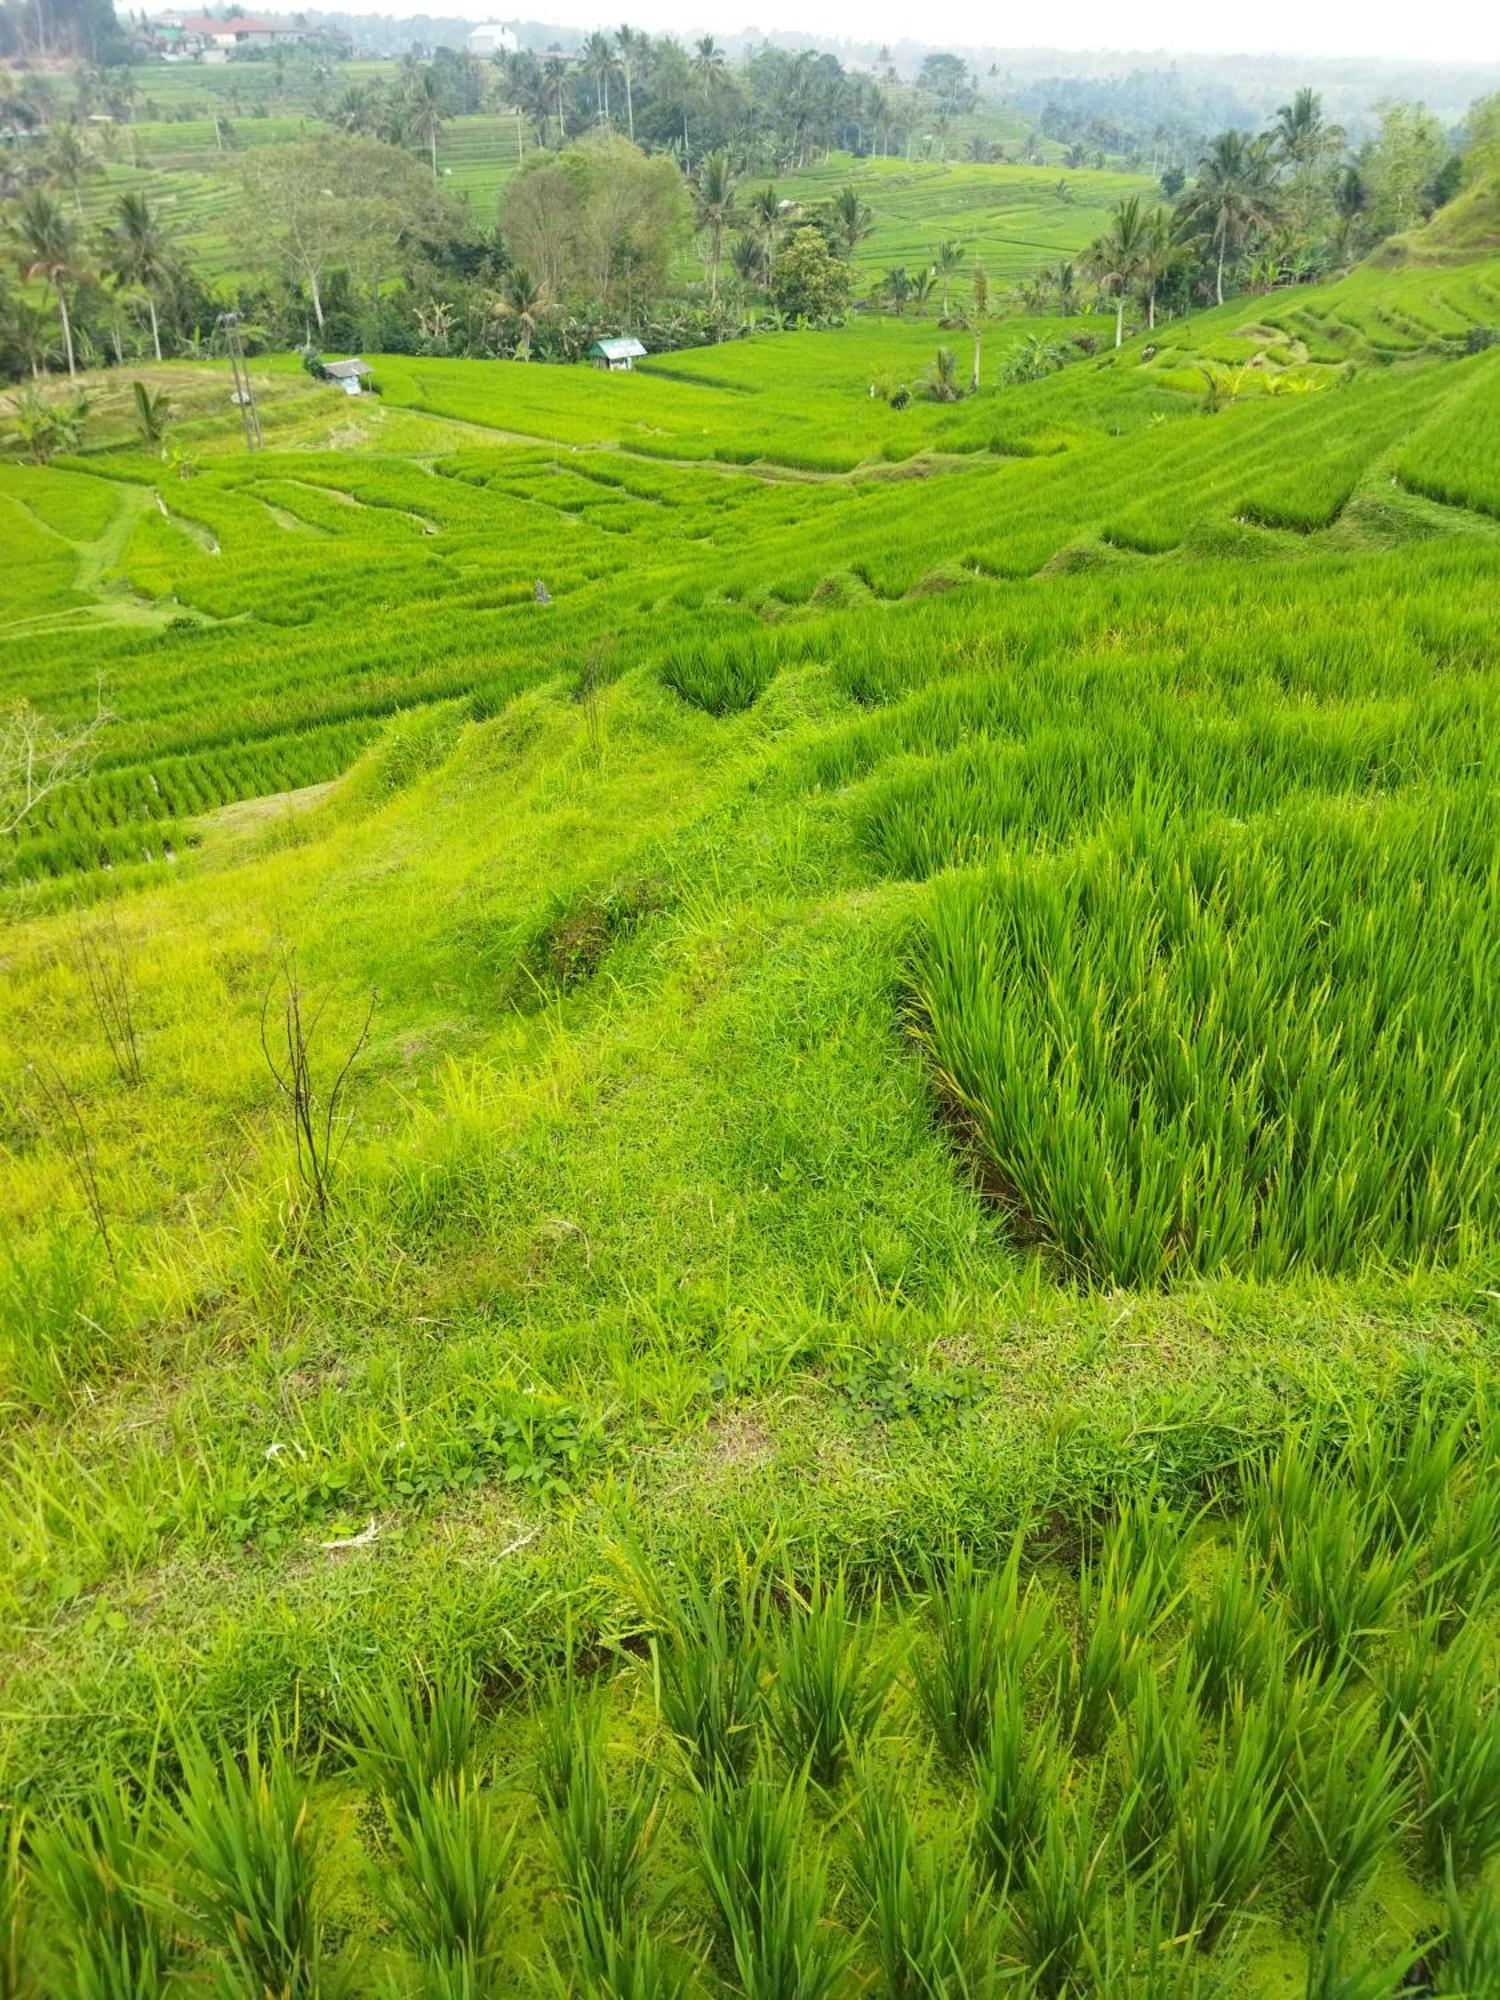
(492, 39)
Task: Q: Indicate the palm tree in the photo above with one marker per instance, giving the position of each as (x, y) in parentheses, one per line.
(1162, 252)
(44, 242)
(523, 300)
(1301, 135)
(427, 107)
(557, 82)
(851, 218)
(745, 256)
(140, 254)
(764, 210)
(715, 206)
(1115, 257)
(632, 48)
(923, 285)
(1231, 195)
(70, 163)
(598, 64)
(942, 377)
(946, 259)
(895, 287)
(708, 63)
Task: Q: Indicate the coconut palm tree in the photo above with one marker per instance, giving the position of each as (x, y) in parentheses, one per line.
(632, 53)
(923, 285)
(44, 243)
(746, 259)
(557, 85)
(942, 377)
(139, 254)
(71, 162)
(708, 63)
(523, 300)
(896, 288)
(852, 218)
(597, 63)
(765, 217)
(1163, 251)
(715, 210)
(1115, 257)
(1231, 194)
(427, 109)
(1302, 136)
(946, 259)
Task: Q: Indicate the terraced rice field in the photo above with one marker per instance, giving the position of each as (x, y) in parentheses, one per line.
(882, 1380)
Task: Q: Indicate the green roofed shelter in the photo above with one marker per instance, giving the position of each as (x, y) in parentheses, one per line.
(621, 352)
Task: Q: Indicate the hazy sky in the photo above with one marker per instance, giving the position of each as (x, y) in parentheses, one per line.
(1462, 30)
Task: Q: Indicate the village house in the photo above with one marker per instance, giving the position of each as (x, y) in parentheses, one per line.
(621, 352)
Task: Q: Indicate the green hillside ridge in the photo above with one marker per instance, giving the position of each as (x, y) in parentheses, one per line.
(937, 983)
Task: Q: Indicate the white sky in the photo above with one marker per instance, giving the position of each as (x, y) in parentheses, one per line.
(1455, 30)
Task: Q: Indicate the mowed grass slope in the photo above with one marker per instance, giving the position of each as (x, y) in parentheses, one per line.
(943, 980)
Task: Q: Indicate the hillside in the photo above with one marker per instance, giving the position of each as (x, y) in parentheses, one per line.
(938, 976)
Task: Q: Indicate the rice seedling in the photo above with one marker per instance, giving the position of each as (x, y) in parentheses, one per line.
(933, 1934)
(1343, 1586)
(1350, 1795)
(1062, 1889)
(1017, 1776)
(92, 1865)
(985, 1624)
(1159, 1745)
(1133, 1950)
(1119, 1609)
(708, 1656)
(411, 1736)
(830, 1678)
(602, 1842)
(1224, 1821)
(1338, 1969)
(447, 1888)
(1463, 1555)
(14, 1970)
(1455, 1737)
(1235, 1640)
(631, 1965)
(769, 1890)
(249, 1877)
(1468, 1954)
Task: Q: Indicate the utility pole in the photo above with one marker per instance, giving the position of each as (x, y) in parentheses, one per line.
(244, 396)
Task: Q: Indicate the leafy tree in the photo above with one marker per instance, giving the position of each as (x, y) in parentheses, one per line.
(1398, 167)
(70, 162)
(598, 219)
(810, 282)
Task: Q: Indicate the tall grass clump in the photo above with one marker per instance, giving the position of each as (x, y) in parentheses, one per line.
(983, 1624)
(448, 1884)
(248, 1875)
(602, 1840)
(829, 1682)
(769, 1889)
(1159, 1745)
(1235, 1641)
(91, 1864)
(1224, 1822)
(931, 1930)
(412, 1736)
(1062, 1889)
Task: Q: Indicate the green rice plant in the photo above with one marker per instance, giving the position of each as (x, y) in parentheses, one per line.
(1350, 1795)
(411, 1736)
(769, 1890)
(1343, 1585)
(90, 1864)
(1235, 1640)
(447, 1887)
(933, 1934)
(602, 1844)
(1119, 1610)
(1062, 1890)
(630, 1965)
(985, 1623)
(249, 1865)
(1159, 1745)
(709, 1664)
(1132, 1950)
(1463, 1554)
(1018, 1773)
(15, 1980)
(1405, 1472)
(1339, 1969)
(830, 1681)
(1224, 1821)
(1455, 1735)
(1468, 1958)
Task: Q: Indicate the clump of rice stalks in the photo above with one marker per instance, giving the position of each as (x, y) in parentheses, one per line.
(934, 1935)
(830, 1685)
(1463, 1554)
(1234, 1640)
(1469, 1957)
(768, 1890)
(411, 1737)
(1017, 1775)
(708, 1656)
(1131, 1950)
(1159, 1746)
(13, 1910)
(1339, 1970)
(1404, 1474)
(1455, 1733)
(1350, 1794)
(602, 1845)
(1224, 1821)
(451, 1876)
(1062, 1889)
(1343, 1585)
(250, 1856)
(89, 1865)
(1120, 1606)
(984, 1624)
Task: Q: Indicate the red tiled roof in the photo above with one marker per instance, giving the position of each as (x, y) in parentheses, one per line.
(241, 24)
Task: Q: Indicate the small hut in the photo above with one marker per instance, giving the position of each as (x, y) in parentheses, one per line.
(350, 375)
(621, 352)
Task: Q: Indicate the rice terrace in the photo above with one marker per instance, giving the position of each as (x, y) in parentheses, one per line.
(750, 1078)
